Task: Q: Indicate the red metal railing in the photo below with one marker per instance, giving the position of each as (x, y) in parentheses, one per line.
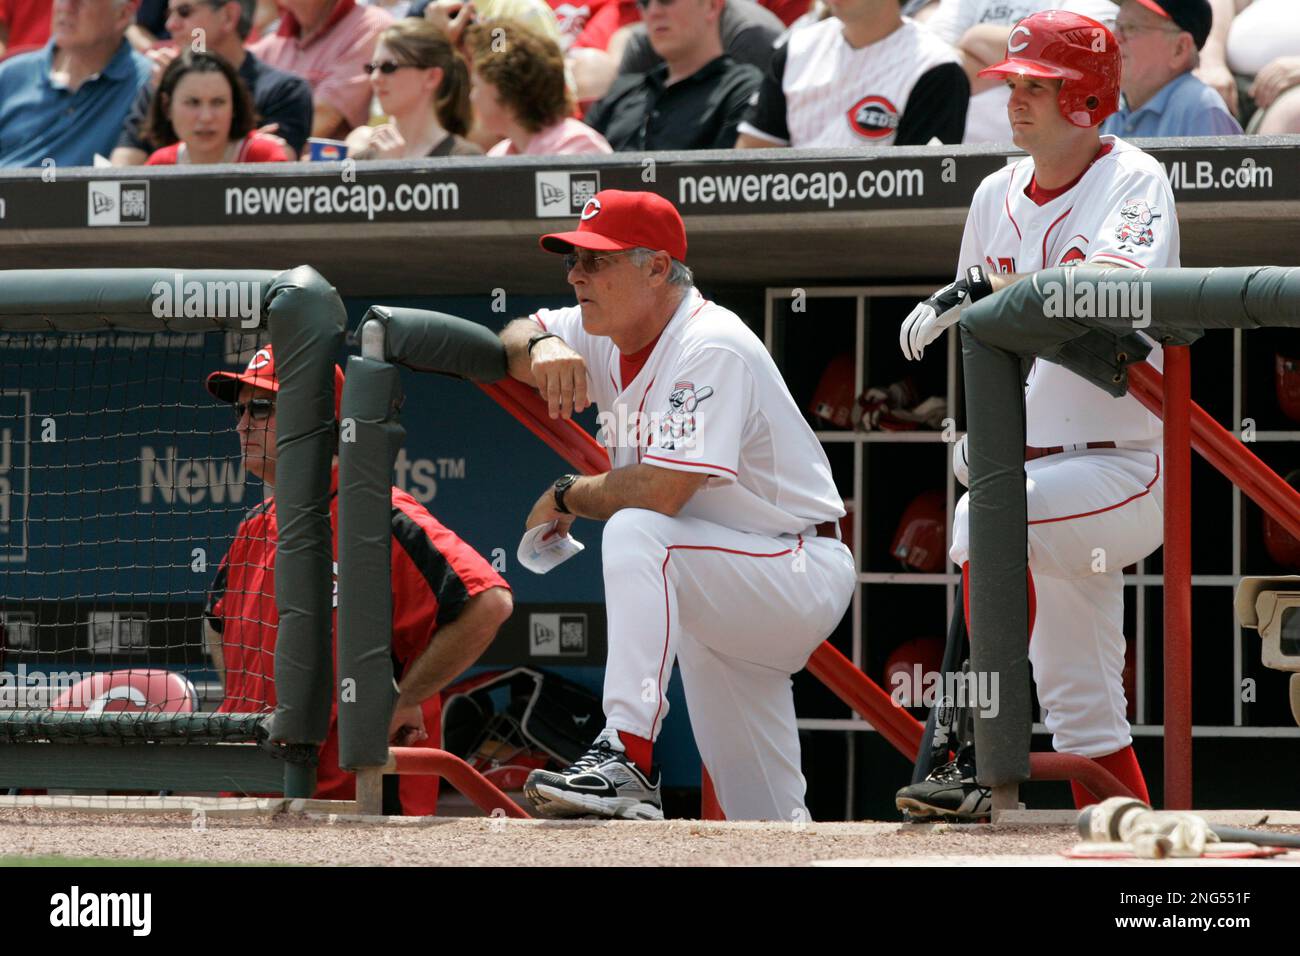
(481, 791)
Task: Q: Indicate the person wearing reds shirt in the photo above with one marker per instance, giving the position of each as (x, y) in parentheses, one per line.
(448, 603)
(1094, 485)
(720, 545)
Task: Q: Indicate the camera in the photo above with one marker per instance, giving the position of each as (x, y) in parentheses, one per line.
(1271, 605)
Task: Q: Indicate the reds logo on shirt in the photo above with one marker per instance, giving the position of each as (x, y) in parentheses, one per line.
(1135, 229)
(873, 117)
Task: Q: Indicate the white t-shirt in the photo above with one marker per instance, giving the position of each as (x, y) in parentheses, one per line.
(1264, 31)
(986, 120)
(709, 399)
(1120, 212)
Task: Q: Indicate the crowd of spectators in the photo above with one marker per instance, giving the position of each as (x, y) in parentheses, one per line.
(206, 81)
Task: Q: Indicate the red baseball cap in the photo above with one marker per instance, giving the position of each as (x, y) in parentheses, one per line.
(617, 219)
(260, 373)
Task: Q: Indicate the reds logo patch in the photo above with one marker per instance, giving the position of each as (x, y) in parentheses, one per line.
(261, 360)
(590, 210)
(1136, 219)
(873, 117)
(677, 428)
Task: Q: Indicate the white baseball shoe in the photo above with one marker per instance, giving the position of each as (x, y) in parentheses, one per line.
(602, 783)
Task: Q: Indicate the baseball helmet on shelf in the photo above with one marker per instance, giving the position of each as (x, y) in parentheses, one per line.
(147, 691)
(1288, 384)
(1281, 545)
(920, 541)
(832, 403)
(1078, 51)
(900, 669)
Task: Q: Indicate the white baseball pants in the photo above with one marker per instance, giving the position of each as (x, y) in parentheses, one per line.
(1091, 514)
(740, 613)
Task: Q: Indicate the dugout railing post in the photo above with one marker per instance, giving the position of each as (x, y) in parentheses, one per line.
(305, 318)
(1001, 336)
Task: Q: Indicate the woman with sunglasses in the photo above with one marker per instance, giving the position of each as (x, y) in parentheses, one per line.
(423, 86)
(202, 113)
(519, 95)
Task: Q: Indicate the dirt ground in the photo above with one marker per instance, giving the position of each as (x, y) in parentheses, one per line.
(330, 841)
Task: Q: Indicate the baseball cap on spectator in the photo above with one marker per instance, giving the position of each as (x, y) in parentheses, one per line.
(617, 219)
(260, 373)
(1194, 16)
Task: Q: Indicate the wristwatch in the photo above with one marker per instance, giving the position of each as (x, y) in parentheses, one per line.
(534, 339)
(561, 486)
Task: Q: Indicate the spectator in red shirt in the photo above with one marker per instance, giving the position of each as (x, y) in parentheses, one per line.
(202, 113)
(423, 85)
(24, 25)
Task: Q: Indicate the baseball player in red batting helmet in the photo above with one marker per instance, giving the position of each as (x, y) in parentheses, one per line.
(1095, 492)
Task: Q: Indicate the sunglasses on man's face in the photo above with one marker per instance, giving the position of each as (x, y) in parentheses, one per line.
(388, 67)
(259, 409)
(186, 10)
(645, 4)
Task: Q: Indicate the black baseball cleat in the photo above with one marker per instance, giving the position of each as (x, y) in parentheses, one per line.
(602, 783)
(948, 793)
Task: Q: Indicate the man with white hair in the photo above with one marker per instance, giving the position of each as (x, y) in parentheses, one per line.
(66, 102)
(1159, 43)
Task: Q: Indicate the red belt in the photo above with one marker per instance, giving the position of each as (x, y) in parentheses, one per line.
(1032, 453)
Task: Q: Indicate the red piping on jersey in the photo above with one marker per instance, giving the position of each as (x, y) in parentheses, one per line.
(538, 319)
(640, 416)
(663, 571)
(1088, 514)
(1110, 255)
(1006, 204)
(1048, 234)
(702, 464)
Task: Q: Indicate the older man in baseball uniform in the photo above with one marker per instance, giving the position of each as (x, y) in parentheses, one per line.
(721, 549)
(1093, 465)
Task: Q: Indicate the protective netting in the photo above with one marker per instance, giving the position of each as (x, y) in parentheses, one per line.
(122, 484)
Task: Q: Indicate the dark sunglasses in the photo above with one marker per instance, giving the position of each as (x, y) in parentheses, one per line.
(645, 4)
(388, 67)
(590, 263)
(185, 10)
(259, 409)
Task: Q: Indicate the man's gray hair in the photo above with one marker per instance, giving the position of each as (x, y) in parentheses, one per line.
(680, 274)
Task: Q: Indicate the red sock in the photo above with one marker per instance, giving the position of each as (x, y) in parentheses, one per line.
(638, 750)
(1123, 765)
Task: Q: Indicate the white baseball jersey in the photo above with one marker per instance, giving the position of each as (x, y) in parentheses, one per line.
(709, 399)
(723, 587)
(1120, 212)
(821, 92)
(986, 119)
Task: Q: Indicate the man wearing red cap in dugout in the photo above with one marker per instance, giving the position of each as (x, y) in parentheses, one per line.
(447, 602)
(1093, 462)
(720, 547)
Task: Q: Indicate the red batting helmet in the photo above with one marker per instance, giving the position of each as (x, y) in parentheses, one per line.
(1280, 544)
(1288, 385)
(1078, 51)
(900, 669)
(833, 401)
(920, 539)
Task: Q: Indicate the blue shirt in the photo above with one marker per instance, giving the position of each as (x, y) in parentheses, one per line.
(1183, 107)
(39, 120)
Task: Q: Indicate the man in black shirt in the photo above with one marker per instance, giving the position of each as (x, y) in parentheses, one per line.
(695, 99)
(748, 33)
(278, 97)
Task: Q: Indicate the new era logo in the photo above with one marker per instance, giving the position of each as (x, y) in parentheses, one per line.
(557, 635)
(564, 194)
(117, 203)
